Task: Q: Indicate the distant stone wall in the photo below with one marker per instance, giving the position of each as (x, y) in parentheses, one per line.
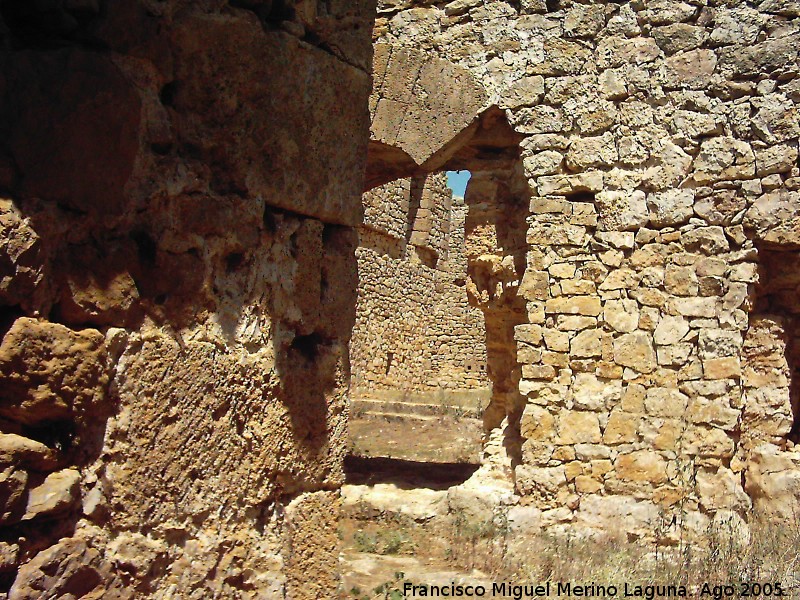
(661, 153)
(415, 331)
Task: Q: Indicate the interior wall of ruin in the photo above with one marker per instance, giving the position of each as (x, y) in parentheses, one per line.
(661, 153)
(415, 331)
(180, 194)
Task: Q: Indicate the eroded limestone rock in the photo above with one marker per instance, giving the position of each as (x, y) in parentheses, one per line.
(56, 495)
(51, 373)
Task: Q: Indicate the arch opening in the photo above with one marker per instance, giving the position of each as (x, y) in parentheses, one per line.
(441, 257)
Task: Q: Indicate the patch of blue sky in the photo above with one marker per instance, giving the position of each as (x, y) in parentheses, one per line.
(457, 181)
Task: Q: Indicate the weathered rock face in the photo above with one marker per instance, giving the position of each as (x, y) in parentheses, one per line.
(181, 182)
(660, 153)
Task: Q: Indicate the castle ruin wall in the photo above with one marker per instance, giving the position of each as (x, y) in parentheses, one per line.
(415, 332)
(660, 149)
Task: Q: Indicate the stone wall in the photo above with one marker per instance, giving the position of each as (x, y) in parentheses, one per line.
(178, 272)
(415, 331)
(660, 148)
(180, 190)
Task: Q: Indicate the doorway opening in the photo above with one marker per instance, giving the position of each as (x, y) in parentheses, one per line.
(419, 379)
(441, 256)
(771, 351)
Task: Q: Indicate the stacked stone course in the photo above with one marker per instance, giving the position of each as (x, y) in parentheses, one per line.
(660, 147)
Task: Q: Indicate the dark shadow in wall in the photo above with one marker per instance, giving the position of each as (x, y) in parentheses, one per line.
(131, 188)
(414, 205)
(406, 474)
(775, 320)
(496, 225)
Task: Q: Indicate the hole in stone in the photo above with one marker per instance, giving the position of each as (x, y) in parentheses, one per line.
(146, 247)
(9, 314)
(406, 474)
(581, 196)
(282, 10)
(427, 256)
(161, 149)
(270, 12)
(233, 261)
(83, 581)
(553, 5)
(192, 151)
(312, 38)
(270, 222)
(221, 410)
(307, 345)
(54, 434)
(7, 580)
(168, 93)
(37, 24)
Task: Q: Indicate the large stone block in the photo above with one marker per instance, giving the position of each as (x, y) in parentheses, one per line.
(313, 544)
(772, 480)
(592, 393)
(670, 208)
(51, 373)
(635, 350)
(775, 216)
(537, 423)
(77, 100)
(72, 567)
(622, 315)
(665, 402)
(24, 261)
(421, 102)
(618, 513)
(56, 495)
(723, 159)
(578, 305)
(26, 453)
(622, 428)
(642, 466)
(578, 427)
(670, 330)
(256, 123)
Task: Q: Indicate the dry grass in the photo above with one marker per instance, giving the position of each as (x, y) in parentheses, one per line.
(771, 555)
(724, 557)
(384, 541)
